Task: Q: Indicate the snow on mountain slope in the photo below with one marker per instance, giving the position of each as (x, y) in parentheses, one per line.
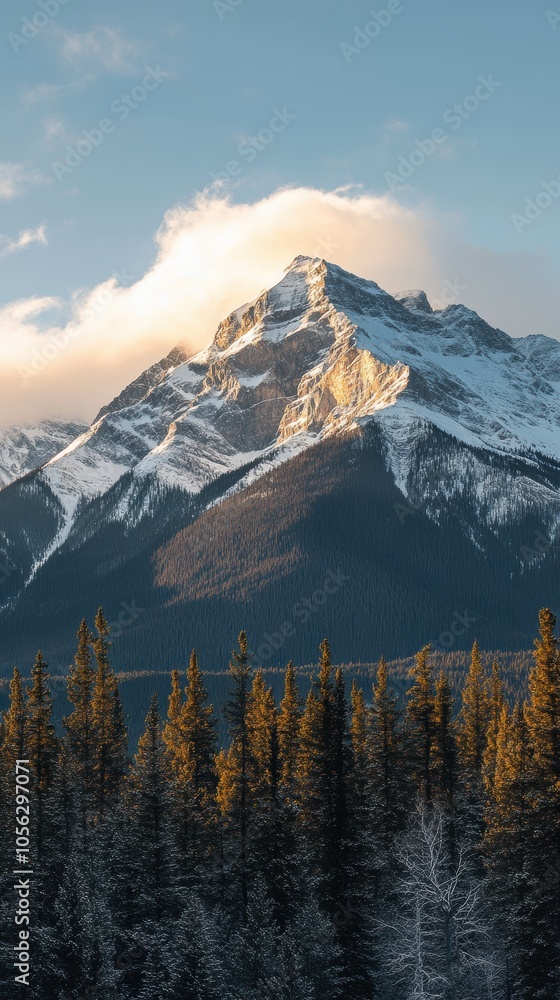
(318, 354)
(26, 447)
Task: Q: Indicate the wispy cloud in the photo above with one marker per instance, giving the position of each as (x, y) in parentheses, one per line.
(54, 131)
(102, 45)
(16, 177)
(393, 125)
(37, 95)
(25, 239)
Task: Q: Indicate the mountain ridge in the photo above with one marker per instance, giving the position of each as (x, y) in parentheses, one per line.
(465, 420)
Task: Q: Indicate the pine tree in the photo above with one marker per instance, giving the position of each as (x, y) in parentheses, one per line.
(289, 720)
(419, 724)
(197, 735)
(324, 802)
(148, 805)
(507, 841)
(474, 719)
(110, 749)
(233, 773)
(496, 704)
(542, 864)
(190, 738)
(171, 732)
(388, 778)
(80, 733)
(354, 916)
(13, 732)
(543, 712)
(315, 768)
(81, 952)
(342, 766)
(41, 746)
(194, 958)
(445, 750)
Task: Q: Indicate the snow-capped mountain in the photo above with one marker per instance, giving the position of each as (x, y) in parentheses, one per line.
(311, 357)
(467, 420)
(25, 447)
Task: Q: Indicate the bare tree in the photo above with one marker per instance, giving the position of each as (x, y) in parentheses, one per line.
(437, 942)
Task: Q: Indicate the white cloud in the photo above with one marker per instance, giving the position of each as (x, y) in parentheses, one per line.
(213, 255)
(42, 92)
(396, 125)
(11, 176)
(25, 239)
(54, 131)
(100, 45)
(15, 177)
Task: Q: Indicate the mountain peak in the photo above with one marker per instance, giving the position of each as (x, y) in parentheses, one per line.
(414, 299)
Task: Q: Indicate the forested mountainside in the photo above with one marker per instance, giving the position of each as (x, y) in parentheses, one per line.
(356, 841)
(325, 534)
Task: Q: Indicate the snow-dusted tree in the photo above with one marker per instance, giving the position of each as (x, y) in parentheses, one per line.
(438, 942)
(193, 958)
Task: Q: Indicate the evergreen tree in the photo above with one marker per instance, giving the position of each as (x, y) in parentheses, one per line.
(475, 713)
(13, 730)
(355, 912)
(419, 724)
(110, 747)
(80, 733)
(387, 771)
(324, 808)
(445, 750)
(233, 773)
(289, 720)
(496, 704)
(542, 863)
(315, 771)
(190, 738)
(543, 712)
(171, 732)
(197, 741)
(81, 956)
(146, 870)
(148, 805)
(194, 958)
(41, 747)
(507, 837)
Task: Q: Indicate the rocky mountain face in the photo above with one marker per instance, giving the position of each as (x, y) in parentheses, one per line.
(25, 447)
(463, 420)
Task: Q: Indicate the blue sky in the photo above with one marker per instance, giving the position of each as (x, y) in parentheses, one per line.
(358, 95)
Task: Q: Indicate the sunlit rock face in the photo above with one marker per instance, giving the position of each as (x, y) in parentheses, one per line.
(319, 355)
